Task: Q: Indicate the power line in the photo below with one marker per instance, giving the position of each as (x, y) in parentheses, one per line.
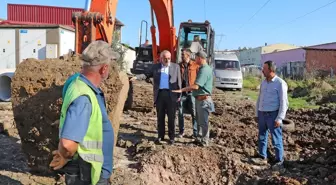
(220, 40)
(289, 22)
(204, 10)
(254, 14)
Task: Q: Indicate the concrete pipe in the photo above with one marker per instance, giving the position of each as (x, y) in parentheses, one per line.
(5, 85)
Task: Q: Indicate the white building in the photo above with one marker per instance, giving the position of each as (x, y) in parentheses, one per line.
(253, 56)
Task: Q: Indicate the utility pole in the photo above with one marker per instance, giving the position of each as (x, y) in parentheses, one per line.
(220, 40)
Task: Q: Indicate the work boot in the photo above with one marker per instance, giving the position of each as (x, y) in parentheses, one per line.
(278, 166)
(259, 160)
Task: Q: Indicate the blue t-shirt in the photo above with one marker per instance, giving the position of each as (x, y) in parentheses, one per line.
(77, 121)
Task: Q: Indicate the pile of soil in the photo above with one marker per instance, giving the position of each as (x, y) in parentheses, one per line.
(36, 100)
(181, 165)
(319, 93)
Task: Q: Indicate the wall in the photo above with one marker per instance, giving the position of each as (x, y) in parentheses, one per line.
(253, 56)
(32, 43)
(7, 48)
(67, 41)
(35, 38)
(53, 37)
(277, 47)
(250, 56)
(41, 14)
(282, 57)
(44, 14)
(320, 60)
(129, 58)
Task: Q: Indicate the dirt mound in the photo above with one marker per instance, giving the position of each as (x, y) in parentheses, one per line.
(324, 86)
(181, 165)
(36, 99)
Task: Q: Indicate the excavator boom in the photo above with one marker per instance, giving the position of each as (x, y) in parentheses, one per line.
(98, 20)
(164, 14)
(95, 23)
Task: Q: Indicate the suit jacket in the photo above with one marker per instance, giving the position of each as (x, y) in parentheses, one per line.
(174, 79)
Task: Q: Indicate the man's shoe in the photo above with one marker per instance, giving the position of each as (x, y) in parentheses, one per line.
(197, 140)
(204, 144)
(259, 161)
(171, 142)
(180, 135)
(278, 166)
(158, 141)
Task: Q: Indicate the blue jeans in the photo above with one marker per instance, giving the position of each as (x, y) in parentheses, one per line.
(189, 103)
(203, 110)
(266, 122)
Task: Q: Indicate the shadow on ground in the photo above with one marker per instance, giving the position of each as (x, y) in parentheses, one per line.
(8, 181)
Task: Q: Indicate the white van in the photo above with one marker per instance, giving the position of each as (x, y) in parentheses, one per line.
(227, 71)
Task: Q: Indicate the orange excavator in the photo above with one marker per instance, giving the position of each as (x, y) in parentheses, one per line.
(97, 23)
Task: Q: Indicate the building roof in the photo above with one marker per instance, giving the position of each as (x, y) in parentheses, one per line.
(15, 24)
(12, 24)
(328, 43)
(319, 49)
(44, 14)
(119, 23)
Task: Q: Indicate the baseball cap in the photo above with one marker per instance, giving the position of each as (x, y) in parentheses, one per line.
(98, 52)
(201, 54)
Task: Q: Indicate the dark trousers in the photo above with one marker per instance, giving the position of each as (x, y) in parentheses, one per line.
(78, 172)
(165, 105)
(74, 179)
(187, 101)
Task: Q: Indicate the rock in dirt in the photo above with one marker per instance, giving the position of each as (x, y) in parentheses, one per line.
(36, 100)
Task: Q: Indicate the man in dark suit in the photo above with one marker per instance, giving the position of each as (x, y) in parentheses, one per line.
(167, 77)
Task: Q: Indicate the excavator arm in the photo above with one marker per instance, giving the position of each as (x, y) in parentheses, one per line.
(98, 20)
(164, 12)
(95, 23)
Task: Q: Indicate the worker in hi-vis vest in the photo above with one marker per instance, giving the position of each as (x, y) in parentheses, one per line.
(85, 149)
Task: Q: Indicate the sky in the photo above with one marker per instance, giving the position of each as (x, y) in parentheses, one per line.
(236, 22)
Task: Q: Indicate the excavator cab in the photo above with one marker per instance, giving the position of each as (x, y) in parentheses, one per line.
(186, 39)
(144, 54)
(196, 36)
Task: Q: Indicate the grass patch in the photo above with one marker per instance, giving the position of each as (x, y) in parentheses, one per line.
(294, 103)
(300, 103)
(251, 94)
(308, 93)
(251, 82)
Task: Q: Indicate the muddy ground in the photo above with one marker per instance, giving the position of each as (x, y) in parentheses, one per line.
(310, 150)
